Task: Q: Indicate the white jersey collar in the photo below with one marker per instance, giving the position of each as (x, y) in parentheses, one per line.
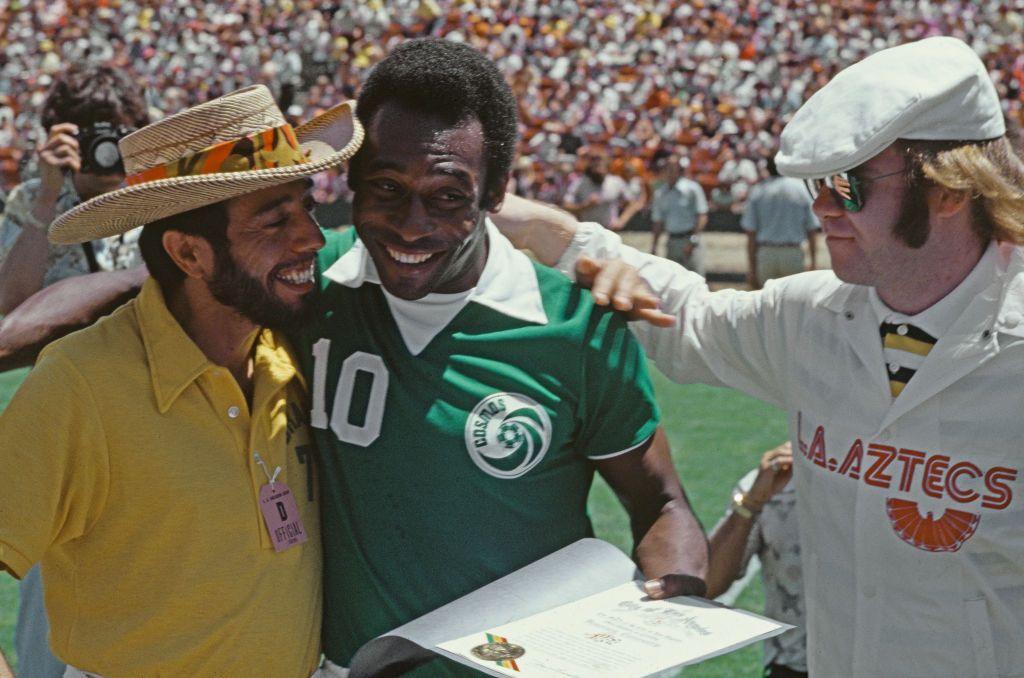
(508, 284)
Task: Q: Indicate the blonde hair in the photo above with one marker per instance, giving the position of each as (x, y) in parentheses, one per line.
(990, 171)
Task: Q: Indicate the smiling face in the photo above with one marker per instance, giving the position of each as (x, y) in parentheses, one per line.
(419, 203)
(862, 245)
(267, 271)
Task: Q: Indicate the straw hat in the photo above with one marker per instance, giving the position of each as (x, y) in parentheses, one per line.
(230, 146)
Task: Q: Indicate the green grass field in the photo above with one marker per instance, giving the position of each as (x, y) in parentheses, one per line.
(716, 436)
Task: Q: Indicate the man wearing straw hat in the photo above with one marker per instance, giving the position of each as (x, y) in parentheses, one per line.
(901, 370)
(158, 464)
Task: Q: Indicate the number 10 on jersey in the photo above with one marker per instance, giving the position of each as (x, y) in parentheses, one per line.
(340, 421)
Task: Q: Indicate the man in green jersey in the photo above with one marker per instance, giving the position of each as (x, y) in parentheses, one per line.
(463, 396)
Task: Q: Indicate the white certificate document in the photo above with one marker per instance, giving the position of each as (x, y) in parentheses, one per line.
(616, 633)
(574, 572)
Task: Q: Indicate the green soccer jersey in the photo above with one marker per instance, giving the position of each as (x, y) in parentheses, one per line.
(456, 432)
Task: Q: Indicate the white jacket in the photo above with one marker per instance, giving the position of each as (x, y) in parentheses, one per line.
(910, 509)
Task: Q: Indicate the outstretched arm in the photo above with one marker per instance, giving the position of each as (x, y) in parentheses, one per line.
(547, 231)
(539, 227)
(62, 308)
(726, 338)
(669, 543)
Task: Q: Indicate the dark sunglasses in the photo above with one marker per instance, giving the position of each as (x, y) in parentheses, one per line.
(846, 187)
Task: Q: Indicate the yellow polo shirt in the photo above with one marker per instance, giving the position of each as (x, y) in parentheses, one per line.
(127, 469)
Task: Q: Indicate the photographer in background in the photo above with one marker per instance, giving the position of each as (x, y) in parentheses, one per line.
(88, 109)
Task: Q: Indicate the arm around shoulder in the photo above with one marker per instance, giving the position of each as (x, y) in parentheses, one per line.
(61, 308)
(539, 227)
(724, 338)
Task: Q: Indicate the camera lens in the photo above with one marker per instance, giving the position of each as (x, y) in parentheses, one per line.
(98, 143)
(106, 154)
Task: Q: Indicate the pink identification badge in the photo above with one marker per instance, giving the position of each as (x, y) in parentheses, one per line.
(281, 515)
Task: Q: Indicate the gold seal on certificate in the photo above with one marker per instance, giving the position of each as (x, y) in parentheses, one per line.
(496, 652)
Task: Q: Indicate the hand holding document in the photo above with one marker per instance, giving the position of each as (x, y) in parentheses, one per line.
(576, 612)
(615, 633)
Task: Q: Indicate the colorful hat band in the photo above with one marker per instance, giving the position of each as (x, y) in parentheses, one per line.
(275, 147)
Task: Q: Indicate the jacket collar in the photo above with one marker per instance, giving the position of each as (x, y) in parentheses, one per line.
(970, 341)
(939, 318)
(1004, 294)
(840, 297)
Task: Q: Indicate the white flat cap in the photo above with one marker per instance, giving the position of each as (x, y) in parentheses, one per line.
(935, 89)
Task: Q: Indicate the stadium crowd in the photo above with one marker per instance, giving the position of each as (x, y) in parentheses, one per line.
(716, 79)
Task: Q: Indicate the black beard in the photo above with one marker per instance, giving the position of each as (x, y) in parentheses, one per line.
(238, 290)
(596, 177)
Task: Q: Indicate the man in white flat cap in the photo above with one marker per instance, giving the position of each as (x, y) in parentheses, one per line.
(158, 464)
(901, 370)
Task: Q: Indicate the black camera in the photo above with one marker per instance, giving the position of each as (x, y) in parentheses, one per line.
(97, 144)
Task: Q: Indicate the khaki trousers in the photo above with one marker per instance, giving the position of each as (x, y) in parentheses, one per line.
(778, 262)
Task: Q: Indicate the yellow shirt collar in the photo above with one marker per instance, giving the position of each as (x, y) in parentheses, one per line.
(274, 365)
(175, 361)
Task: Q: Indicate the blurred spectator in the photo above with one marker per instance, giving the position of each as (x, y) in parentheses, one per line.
(738, 173)
(681, 210)
(596, 195)
(634, 172)
(778, 219)
(762, 522)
